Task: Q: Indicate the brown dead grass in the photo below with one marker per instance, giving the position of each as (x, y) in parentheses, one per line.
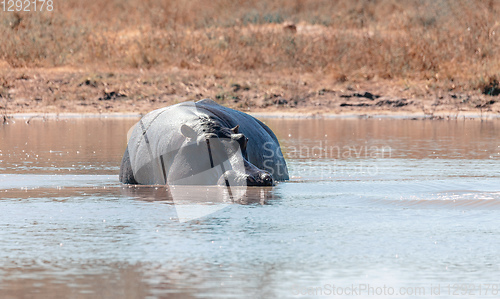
(441, 44)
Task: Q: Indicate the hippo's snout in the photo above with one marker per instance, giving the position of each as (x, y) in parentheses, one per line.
(262, 179)
(232, 178)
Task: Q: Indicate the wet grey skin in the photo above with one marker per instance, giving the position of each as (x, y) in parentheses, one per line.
(202, 143)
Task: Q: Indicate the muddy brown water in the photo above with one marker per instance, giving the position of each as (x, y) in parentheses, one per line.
(401, 204)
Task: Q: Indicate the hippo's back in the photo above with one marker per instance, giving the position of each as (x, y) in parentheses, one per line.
(158, 133)
(263, 147)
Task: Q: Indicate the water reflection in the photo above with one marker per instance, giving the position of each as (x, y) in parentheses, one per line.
(369, 138)
(95, 146)
(395, 202)
(202, 195)
(106, 281)
(67, 146)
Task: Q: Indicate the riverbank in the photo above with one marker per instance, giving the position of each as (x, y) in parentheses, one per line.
(58, 91)
(437, 59)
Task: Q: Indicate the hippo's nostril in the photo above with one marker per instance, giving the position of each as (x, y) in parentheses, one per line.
(267, 179)
(262, 179)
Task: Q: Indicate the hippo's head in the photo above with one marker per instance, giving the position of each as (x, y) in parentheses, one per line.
(214, 154)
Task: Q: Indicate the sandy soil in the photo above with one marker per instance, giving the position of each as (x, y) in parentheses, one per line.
(83, 91)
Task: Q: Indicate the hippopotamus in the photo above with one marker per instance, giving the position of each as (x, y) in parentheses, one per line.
(202, 143)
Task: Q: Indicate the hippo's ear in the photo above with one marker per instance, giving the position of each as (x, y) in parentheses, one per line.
(235, 129)
(188, 132)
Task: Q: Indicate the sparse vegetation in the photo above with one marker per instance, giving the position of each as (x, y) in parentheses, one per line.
(490, 87)
(442, 44)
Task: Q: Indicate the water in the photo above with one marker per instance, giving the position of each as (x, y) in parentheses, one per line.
(374, 208)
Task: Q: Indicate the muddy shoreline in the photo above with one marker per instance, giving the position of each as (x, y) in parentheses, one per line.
(66, 92)
(263, 115)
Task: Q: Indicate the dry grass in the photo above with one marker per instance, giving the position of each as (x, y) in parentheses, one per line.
(451, 44)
